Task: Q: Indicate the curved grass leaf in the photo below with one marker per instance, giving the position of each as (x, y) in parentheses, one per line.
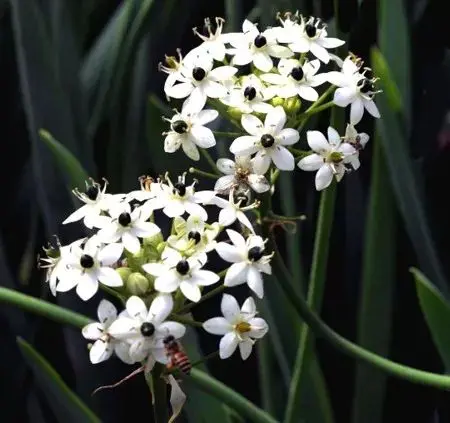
(65, 404)
(436, 311)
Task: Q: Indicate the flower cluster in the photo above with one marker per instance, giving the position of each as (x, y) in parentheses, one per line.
(258, 79)
(157, 276)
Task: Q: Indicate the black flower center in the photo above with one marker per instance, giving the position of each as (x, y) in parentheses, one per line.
(92, 192)
(180, 189)
(297, 73)
(124, 219)
(86, 261)
(198, 73)
(260, 41)
(179, 126)
(195, 236)
(255, 253)
(250, 93)
(267, 140)
(182, 267)
(365, 86)
(310, 30)
(147, 329)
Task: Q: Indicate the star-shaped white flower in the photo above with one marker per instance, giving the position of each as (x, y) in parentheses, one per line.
(145, 329)
(307, 36)
(267, 140)
(96, 201)
(176, 271)
(295, 79)
(188, 131)
(257, 47)
(198, 81)
(88, 264)
(248, 260)
(128, 226)
(105, 344)
(356, 89)
(250, 96)
(238, 327)
(239, 173)
(329, 157)
(214, 42)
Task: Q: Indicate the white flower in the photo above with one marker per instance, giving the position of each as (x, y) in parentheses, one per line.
(177, 199)
(257, 47)
(95, 202)
(145, 329)
(238, 327)
(355, 138)
(175, 272)
(198, 81)
(173, 70)
(295, 79)
(248, 261)
(148, 190)
(249, 97)
(232, 209)
(356, 88)
(307, 36)
(329, 157)
(214, 43)
(128, 226)
(267, 141)
(188, 131)
(240, 172)
(87, 265)
(105, 344)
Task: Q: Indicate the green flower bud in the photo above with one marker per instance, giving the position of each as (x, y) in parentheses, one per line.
(178, 226)
(124, 272)
(135, 261)
(160, 247)
(137, 284)
(276, 101)
(153, 240)
(234, 113)
(292, 105)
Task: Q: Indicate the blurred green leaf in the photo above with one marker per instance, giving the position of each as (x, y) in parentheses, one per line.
(376, 290)
(233, 13)
(68, 163)
(65, 404)
(436, 311)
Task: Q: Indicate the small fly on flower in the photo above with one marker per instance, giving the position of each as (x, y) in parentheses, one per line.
(176, 355)
(146, 182)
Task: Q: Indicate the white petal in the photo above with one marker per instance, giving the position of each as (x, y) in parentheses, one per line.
(236, 274)
(274, 78)
(276, 50)
(196, 210)
(244, 145)
(237, 239)
(283, 158)
(204, 277)
(223, 73)
(226, 166)
(228, 252)
(330, 42)
(92, 331)
(288, 136)
(87, 287)
(324, 176)
(372, 108)
(160, 355)
(241, 57)
(160, 308)
(320, 52)
(190, 291)
(228, 345)
(139, 349)
(249, 307)
(261, 162)
(275, 120)
(175, 329)
(224, 184)
(206, 116)
(227, 216)
(336, 78)
(196, 101)
(215, 89)
(167, 282)
(145, 229)
(255, 282)
(123, 328)
(262, 61)
(311, 162)
(252, 124)
(106, 312)
(180, 90)
(122, 351)
(259, 327)
(245, 348)
(230, 308)
(308, 93)
(67, 282)
(317, 141)
(136, 307)
(244, 220)
(174, 208)
(258, 183)
(190, 149)
(301, 45)
(100, 351)
(343, 96)
(356, 111)
(110, 254)
(131, 242)
(333, 137)
(172, 143)
(202, 136)
(155, 269)
(217, 326)
(78, 214)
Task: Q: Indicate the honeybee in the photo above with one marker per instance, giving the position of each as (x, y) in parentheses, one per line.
(146, 182)
(177, 357)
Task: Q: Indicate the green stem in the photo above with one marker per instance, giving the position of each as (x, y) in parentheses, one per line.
(228, 396)
(205, 297)
(199, 172)
(207, 357)
(185, 321)
(113, 293)
(158, 389)
(228, 134)
(314, 300)
(43, 308)
(210, 161)
(321, 99)
(313, 110)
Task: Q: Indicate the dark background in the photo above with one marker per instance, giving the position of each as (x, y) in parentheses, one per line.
(24, 228)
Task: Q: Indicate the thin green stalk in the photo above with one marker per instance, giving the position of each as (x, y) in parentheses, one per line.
(314, 300)
(186, 321)
(228, 396)
(265, 360)
(205, 297)
(158, 388)
(199, 172)
(321, 99)
(228, 134)
(43, 308)
(207, 357)
(317, 109)
(210, 161)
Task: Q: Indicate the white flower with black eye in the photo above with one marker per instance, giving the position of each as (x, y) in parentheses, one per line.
(239, 173)
(144, 329)
(239, 326)
(357, 88)
(307, 36)
(329, 157)
(105, 344)
(188, 132)
(257, 47)
(213, 39)
(87, 264)
(295, 79)
(176, 271)
(248, 260)
(268, 140)
(96, 201)
(250, 96)
(177, 199)
(128, 226)
(198, 81)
